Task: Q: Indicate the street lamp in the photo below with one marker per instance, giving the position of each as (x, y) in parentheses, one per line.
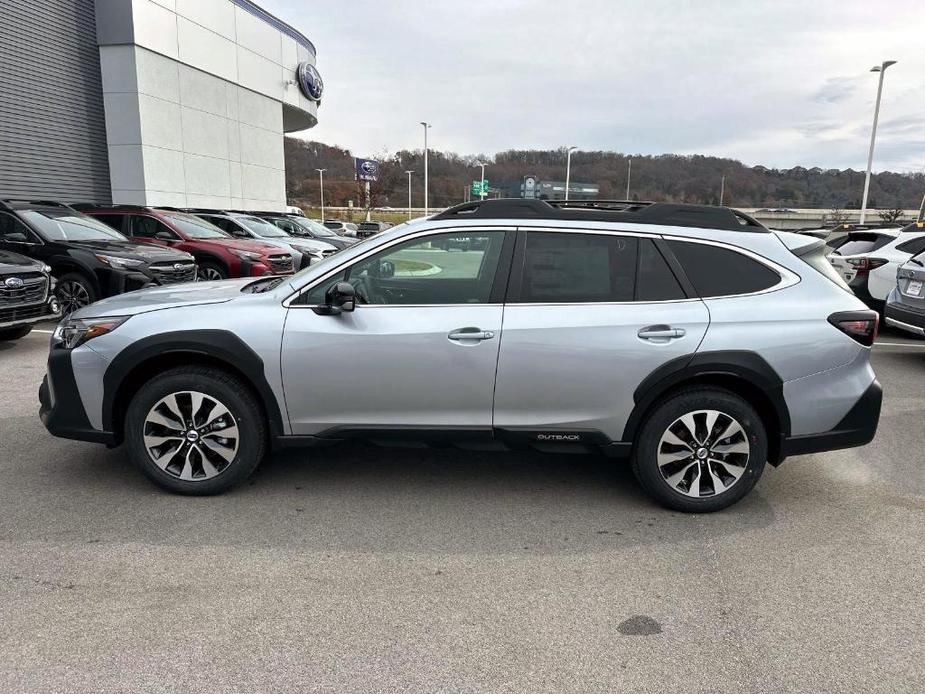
(873, 133)
(426, 192)
(629, 173)
(321, 185)
(409, 192)
(568, 168)
(482, 184)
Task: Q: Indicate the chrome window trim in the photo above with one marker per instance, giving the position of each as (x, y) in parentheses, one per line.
(288, 301)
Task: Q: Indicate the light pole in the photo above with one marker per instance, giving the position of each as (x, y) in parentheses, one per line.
(321, 185)
(873, 133)
(629, 172)
(722, 190)
(426, 192)
(482, 183)
(409, 192)
(568, 168)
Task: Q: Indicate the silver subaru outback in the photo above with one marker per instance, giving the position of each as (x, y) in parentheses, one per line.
(687, 339)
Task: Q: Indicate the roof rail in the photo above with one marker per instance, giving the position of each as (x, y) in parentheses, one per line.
(47, 203)
(629, 211)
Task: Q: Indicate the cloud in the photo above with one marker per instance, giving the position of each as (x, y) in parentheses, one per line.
(777, 83)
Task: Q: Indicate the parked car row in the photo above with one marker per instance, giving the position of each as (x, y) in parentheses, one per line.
(868, 260)
(85, 252)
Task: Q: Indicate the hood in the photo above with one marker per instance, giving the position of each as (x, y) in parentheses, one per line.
(134, 251)
(168, 296)
(313, 244)
(240, 245)
(18, 263)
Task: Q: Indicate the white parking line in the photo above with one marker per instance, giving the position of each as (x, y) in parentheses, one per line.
(47, 332)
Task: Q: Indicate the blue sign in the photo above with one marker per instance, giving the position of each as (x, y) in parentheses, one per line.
(367, 170)
(310, 81)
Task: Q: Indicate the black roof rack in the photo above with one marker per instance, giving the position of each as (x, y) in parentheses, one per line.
(630, 211)
(9, 203)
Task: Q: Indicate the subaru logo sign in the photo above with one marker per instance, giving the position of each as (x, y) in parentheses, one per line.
(310, 81)
(14, 283)
(178, 266)
(370, 168)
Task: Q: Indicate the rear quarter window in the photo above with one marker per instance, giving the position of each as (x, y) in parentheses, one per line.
(716, 271)
(858, 243)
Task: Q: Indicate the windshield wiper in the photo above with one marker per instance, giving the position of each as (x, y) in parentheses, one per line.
(917, 262)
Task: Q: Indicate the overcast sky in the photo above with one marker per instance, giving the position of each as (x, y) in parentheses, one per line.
(773, 82)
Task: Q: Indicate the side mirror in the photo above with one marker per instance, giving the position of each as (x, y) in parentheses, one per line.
(340, 298)
(386, 269)
(239, 234)
(16, 237)
(164, 236)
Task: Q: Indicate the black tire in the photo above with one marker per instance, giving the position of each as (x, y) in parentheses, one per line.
(225, 389)
(15, 333)
(209, 271)
(74, 291)
(645, 457)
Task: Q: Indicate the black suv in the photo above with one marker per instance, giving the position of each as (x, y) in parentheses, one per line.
(26, 295)
(89, 259)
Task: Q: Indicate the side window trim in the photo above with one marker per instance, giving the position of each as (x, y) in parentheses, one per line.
(676, 269)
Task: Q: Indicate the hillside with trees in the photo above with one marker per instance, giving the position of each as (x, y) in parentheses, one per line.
(668, 177)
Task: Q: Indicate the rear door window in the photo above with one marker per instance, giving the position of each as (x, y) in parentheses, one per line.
(568, 267)
(716, 271)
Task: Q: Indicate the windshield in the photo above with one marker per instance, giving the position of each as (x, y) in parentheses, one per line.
(314, 227)
(261, 227)
(67, 225)
(196, 228)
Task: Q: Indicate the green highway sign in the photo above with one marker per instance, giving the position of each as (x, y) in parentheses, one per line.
(480, 187)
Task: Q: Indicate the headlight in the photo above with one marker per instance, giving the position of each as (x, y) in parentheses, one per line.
(246, 255)
(119, 263)
(305, 250)
(73, 332)
(46, 269)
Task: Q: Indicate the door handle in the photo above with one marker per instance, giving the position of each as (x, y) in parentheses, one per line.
(661, 333)
(470, 334)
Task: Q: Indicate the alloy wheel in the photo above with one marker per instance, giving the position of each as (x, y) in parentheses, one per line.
(72, 295)
(209, 274)
(191, 436)
(703, 453)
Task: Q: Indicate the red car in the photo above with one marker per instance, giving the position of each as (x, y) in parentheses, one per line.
(218, 255)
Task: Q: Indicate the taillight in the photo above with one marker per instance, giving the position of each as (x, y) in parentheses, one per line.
(865, 265)
(858, 325)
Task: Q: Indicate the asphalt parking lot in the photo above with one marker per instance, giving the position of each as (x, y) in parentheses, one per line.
(386, 570)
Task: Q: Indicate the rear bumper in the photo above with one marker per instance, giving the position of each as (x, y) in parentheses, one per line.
(905, 318)
(857, 428)
(61, 408)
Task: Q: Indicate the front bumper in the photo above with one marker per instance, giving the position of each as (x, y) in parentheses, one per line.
(30, 315)
(61, 408)
(905, 317)
(857, 428)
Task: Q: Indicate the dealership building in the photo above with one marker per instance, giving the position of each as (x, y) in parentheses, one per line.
(152, 102)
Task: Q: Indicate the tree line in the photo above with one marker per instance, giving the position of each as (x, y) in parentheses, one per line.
(665, 177)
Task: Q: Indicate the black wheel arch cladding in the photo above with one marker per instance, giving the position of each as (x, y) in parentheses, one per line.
(218, 346)
(719, 368)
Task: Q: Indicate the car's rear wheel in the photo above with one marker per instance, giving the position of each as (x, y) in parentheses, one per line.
(700, 451)
(74, 291)
(209, 271)
(195, 430)
(15, 333)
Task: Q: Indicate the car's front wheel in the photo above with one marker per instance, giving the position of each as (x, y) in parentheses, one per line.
(195, 430)
(701, 450)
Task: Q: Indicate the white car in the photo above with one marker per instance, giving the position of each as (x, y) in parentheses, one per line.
(868, 260)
